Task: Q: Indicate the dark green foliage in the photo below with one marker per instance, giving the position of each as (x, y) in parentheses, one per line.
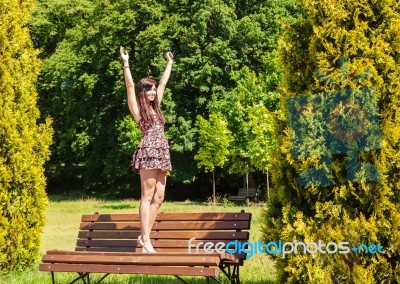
(341, 57)
(24, 142)
(81, 82)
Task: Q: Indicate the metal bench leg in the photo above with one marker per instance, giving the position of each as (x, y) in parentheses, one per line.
(236, 274)
(52, 278)
(82, 276)
(180, 279)
(207, 278)
(232, 274)
(102, 278)
(215, 279)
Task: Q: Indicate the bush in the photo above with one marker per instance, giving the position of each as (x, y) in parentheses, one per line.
(24, 143)
(337, 179)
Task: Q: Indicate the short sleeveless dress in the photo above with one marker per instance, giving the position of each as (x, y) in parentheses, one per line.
(153, 149)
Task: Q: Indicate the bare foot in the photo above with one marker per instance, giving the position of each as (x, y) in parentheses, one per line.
(147, 247)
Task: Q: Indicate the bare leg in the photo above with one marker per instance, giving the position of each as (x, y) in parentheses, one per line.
(148, 180)
(158, 196)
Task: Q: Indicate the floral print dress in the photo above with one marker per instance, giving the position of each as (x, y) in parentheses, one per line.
(153, 149)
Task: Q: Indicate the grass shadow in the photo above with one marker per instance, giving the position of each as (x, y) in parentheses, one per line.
(150, 279)
(118, 206)
(74, 196)
(34, 276)
(68, 197)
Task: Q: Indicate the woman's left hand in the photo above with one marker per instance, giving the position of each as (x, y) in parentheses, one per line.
(169, 56)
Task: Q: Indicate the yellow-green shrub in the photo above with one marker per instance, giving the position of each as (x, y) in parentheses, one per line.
(366, 34)
(24, 142)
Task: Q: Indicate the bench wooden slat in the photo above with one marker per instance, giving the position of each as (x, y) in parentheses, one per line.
(101, 253)
(155, 243)
(137, 250)
(149, 259)
(247, 191)
(173, 226)
(130, 269)
(168, 217)
(110, 249)
(224, 256)
(106, 243)
(237, 198)
(243, 194)
(165, 235)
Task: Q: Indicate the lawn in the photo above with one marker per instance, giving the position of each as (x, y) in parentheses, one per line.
(61, 230)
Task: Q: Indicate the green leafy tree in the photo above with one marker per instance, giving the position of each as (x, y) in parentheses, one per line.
(262, 143)
(237, 106)
(336, 174)
(255, 83)
(24, 142)
(82, 89)
(81, 84)
(214, 141)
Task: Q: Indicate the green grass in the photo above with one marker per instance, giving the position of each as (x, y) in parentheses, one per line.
(61, 230)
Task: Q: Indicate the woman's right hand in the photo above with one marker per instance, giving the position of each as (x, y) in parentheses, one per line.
(124, 54)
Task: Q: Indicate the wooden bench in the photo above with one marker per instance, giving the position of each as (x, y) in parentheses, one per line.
(245, 194)
(107, 243)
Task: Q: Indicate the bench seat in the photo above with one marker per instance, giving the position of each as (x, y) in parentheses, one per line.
(132, 263)
(107, 243)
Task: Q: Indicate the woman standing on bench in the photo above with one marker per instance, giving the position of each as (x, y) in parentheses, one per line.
(151, 159)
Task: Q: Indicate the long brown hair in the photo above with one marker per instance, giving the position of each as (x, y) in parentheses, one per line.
(145, 104)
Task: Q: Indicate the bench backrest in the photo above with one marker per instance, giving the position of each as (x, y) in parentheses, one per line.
(171, 231)
(247, 192)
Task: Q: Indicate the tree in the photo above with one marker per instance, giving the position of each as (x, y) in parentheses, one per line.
(214, 141)
(237, 106)
(24, 142)
(336, 169)
(81, 83)
(262, 143)
(255, 84)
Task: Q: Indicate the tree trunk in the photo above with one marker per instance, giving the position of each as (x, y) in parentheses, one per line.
(267, 184)
(213, 187)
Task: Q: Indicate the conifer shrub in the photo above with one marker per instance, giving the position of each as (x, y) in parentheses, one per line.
(24, 142)
(336, 172)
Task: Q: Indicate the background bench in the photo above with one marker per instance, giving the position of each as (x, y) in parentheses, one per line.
(107, 243)
(245, 194)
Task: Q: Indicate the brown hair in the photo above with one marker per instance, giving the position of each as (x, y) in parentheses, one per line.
(144, 103)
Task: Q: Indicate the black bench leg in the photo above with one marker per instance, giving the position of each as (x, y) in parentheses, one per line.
(215, 279)
(236, 274)
(232, 274)
(82, 276)
(180, 279)
(102, 278)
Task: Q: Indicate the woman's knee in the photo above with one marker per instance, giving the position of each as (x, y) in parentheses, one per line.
(158, 200)
(160, 188)
(147, 191)
(148, 184)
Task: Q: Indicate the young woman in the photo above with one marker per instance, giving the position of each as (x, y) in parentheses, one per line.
(151, 158)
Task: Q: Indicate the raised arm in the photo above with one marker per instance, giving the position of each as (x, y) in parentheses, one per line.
(165, 77)
(130, 86)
